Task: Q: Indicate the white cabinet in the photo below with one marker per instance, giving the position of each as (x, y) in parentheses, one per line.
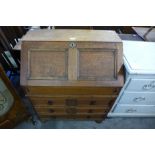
(137, 97)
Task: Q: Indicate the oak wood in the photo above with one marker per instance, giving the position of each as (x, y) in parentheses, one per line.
(73, 64)
(108, 74)
(81, 101)
(48, 91)
(60, 111)
(72, 35)
(76, 70)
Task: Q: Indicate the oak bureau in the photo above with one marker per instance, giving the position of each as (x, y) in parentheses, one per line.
(72, 74)
(137, 98)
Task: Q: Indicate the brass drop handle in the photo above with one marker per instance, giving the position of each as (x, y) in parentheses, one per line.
(139, 99)
(149, 86)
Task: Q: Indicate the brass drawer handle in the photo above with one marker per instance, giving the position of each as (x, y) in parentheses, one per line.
(71, 102)
(71, 111)
(93, 102)
(50, 102)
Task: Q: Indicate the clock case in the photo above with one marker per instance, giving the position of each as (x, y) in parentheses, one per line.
(17, 111)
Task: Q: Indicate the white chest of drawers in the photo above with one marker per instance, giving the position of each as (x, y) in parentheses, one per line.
(137, 98)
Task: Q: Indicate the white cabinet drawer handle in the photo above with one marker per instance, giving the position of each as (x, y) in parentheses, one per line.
(139, 99)
(131, 110)
(149, 86)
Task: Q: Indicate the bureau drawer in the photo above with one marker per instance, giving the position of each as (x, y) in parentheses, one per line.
(150, 109)
(70, 110)
(41, 90)
(137, 98)
(73, 101)
(147, 85)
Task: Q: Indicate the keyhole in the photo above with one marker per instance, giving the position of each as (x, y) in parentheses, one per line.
(72, 45)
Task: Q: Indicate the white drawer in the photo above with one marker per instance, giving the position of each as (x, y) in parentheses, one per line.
(134, 109)
(137, 98)
(147, 85)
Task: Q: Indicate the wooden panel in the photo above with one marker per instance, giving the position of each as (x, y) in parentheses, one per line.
(75, 83)
(78, 83)
(44, 48)
(47, 64)
(73, 64)
(93, 64)
(85, 64)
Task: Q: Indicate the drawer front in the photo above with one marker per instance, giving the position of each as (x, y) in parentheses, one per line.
(135, 109)
(73, 101)
(146, 85)
(33, 91)
(70, 110)
(137, 98)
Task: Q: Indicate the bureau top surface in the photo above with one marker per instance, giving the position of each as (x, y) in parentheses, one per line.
(139, 57)
(72, 35)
